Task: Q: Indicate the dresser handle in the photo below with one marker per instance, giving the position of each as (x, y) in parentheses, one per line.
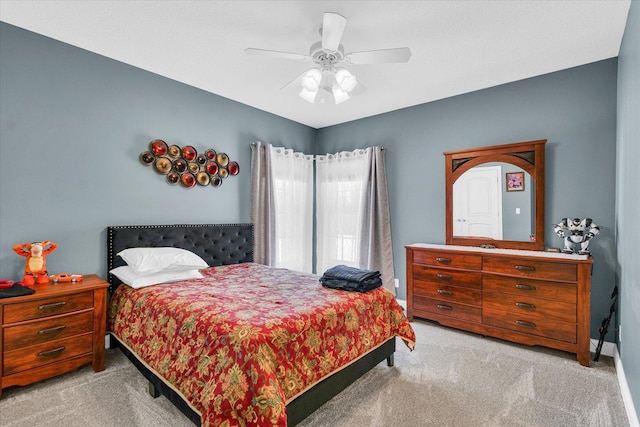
(445, 307)
(525, 305)
(525, 287)
(51, 330)
(443, 260)
(525, 268)
(527, 324)
(444, 276)
(52, 305)
(443, 292)
(50, 352)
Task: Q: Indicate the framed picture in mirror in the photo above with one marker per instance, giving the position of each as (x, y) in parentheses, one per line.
(515, 181)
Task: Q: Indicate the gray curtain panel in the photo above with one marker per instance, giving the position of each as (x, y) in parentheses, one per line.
(262, 208)
(376, 251)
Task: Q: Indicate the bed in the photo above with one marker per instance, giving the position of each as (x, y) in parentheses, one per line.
(246, 344)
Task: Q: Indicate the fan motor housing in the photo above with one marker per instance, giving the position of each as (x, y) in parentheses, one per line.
(326, 59)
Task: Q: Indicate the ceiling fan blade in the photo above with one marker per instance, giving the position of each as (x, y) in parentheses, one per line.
(332, 28)
(401, 54)
(275, 54)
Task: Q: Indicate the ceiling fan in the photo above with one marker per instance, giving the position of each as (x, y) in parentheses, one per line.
(329, 77)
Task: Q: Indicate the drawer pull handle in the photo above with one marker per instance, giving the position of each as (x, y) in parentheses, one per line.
(52, 305)
(525, 305)
(525, 287)
(444, 276)
(444, 292)
(51, 330)
(524, 323)
(444, 260)
(52, 352)
(445, 307)
(525, 268)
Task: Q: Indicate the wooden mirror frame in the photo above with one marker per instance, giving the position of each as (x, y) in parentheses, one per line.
(528, 155)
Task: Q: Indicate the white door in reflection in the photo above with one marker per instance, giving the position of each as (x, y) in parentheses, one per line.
(477, 203)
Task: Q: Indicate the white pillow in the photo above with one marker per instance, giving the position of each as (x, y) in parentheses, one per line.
(131, 278)
(165, 259)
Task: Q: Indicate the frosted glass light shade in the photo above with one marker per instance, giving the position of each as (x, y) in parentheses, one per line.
(346, 80)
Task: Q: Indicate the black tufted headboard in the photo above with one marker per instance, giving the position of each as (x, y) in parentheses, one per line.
(217, 244)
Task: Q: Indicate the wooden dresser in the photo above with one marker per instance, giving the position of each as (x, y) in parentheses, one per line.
(528, 297)
(53, 331)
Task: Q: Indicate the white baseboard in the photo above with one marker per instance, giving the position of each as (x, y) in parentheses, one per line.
(632, 415)
(608, 348)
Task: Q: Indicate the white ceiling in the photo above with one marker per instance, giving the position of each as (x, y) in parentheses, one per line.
(457, 46)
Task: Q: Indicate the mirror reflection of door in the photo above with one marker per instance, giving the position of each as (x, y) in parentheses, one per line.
(477, 203)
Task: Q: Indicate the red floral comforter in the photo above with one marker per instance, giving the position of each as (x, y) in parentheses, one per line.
(247, 339)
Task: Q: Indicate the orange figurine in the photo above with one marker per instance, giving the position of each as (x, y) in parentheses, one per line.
(35, 270)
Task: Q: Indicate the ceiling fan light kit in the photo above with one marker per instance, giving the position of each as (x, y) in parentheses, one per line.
(329, 77)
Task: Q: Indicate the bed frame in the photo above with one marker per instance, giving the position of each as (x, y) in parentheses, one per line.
(224, 244)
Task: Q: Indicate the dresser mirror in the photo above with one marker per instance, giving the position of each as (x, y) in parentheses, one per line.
(495, 196)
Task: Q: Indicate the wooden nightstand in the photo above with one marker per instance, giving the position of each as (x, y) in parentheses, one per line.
(53, 331)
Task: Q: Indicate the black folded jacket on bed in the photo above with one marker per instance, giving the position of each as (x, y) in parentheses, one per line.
(351, 279)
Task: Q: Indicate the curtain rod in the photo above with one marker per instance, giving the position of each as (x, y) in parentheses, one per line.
(253, 144)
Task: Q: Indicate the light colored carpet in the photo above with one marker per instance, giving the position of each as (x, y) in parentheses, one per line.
(452, 379)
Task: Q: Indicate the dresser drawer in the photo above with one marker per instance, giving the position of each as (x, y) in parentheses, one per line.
(42, 354)
(447, 259)
(447, 292)
(49, 329)
(448, 308)
(530, 288)
(528, 324)
(531, 268)
(468, 279)
(535, 308)
(47, 307)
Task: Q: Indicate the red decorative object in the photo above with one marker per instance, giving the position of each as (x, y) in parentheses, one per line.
(212, 168)
(188, 180)
(159, 147)
(233, 168)
(211, 154)
(189, 153)
(185, 166)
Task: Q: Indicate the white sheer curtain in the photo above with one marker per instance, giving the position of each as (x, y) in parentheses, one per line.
(340, 199)
(292, 188)
(352, 212)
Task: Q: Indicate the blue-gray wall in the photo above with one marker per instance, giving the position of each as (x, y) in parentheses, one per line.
(574, 109)
(628, 201)
(72, 124)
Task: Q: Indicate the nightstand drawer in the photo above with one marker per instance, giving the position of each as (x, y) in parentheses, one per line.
(42, 354)
(47, 307)
(49, 329)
